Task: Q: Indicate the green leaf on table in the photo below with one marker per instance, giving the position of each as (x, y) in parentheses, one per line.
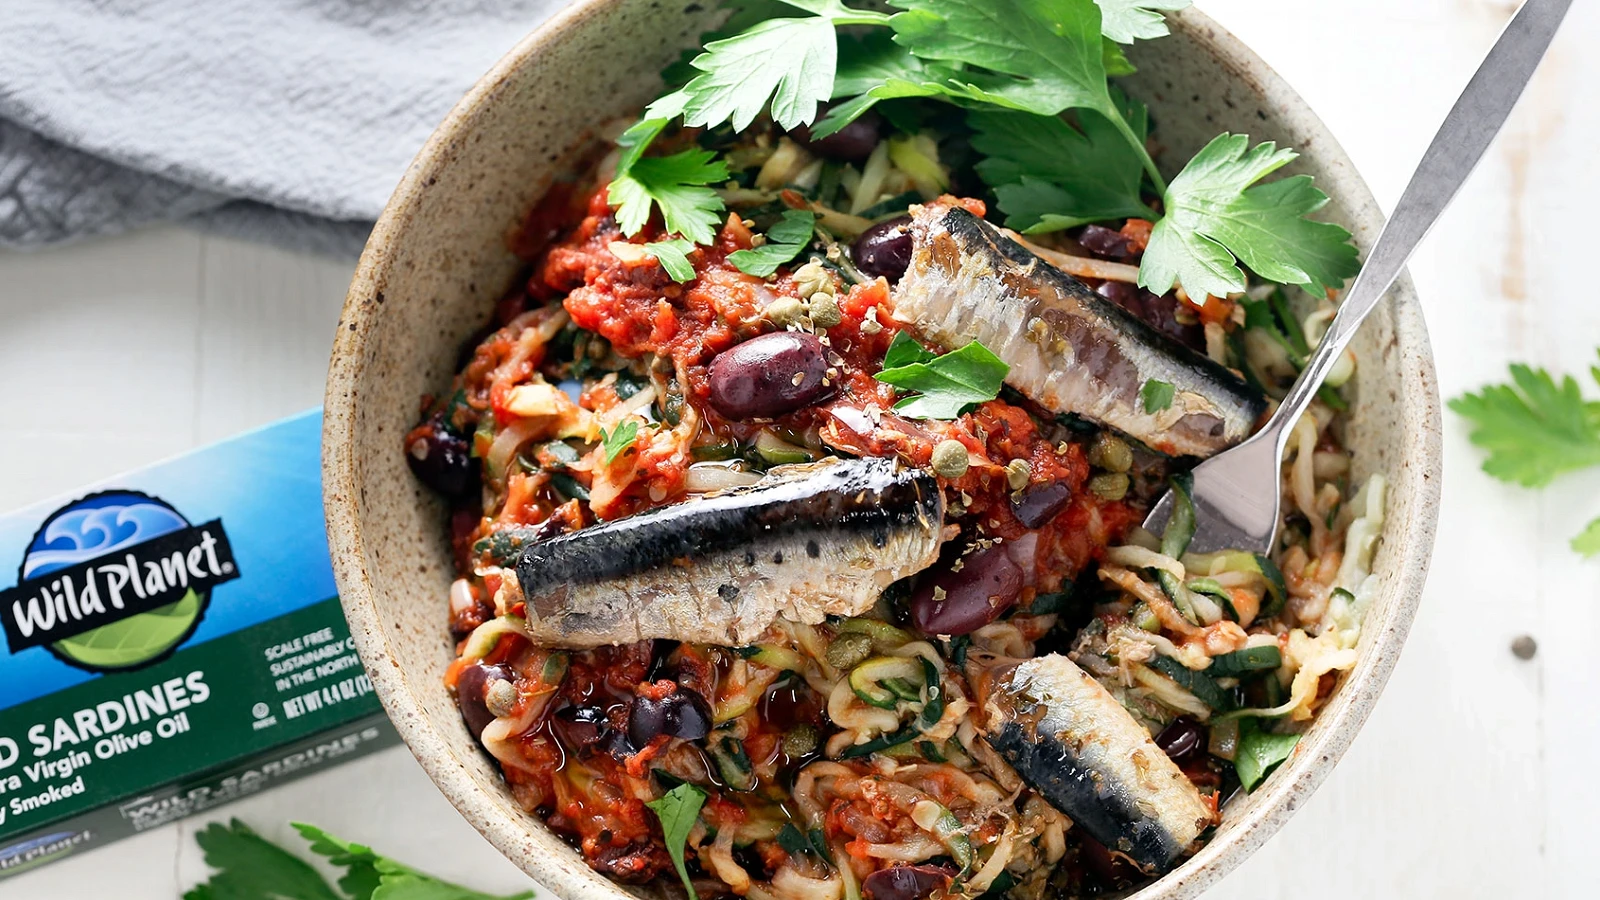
(1259, 752)
(1124, 21)
(1533, 428)
(905, 350)
(1215, 220)
(945, 386)
(372, 876)
(250, 867)
(678, 810)
(785, 239)
(1588, 541)
(674, 257)
(1156, 395)
(678, 186)
(619, 440)
(1049, 175)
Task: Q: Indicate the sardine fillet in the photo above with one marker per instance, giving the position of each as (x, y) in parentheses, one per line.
(1069, 349)
(720, 568)
(1074, 743)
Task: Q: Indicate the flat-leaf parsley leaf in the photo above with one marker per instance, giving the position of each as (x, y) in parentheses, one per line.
(785, 239)
(1588, 541)
(1259, 752)
(1533, 428)
(677, 184)
(678, 810)
(619, 440)
(250, 867)
(674, 257)
(905, 350)
(946, 385)
(1214, 216)
(1125, 20)
(1156, 395)
(1049, 175)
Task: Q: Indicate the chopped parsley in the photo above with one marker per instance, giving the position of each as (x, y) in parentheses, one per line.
(945, 386)
(678, 810)
(785, 240)
(904, 350)
(1156, 395)
(1259, 752)
(619, 440)
(674, 257)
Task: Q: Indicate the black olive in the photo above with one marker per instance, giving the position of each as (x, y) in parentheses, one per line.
(1184, 740)
(987, 584)
(906, 882)
(770, 375)
(852, 143)
(1037, 504)
(681, 714)
(471, 688)
(580, 726)
(441, 459)
(884, 249)
(1105, 243)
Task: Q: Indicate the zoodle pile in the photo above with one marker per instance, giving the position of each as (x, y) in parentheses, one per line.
(795, 490)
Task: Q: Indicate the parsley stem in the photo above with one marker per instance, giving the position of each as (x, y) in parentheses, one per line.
(1115, 115)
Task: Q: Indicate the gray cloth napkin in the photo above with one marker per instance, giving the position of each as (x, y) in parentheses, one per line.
(283, 120)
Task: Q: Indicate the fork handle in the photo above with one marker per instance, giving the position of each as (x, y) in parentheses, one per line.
(1460, 143)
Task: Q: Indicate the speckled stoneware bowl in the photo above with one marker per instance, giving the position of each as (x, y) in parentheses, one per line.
(438, 260)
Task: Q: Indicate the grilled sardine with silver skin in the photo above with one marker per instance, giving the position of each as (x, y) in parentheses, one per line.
(1070, 740)
(817, 540)
(1070, 349)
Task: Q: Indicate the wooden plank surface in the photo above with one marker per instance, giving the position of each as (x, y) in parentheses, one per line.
(1470, 779)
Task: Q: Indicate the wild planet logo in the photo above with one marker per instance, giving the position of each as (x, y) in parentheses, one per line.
(115, 581)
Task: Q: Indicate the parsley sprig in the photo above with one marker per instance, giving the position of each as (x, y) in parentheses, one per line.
(1535, 429)
(250, 867)
(1061, 146)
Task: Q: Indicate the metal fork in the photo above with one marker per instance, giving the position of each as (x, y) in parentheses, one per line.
(1237, 493)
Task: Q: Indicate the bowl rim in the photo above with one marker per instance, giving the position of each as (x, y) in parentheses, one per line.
(1284, 794)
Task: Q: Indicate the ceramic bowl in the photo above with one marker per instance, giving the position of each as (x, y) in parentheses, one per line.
(438, 260)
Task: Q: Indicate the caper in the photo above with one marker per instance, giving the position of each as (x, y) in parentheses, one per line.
(800, 741)
(813, 278)
(950, 459)
(848, 649)
(1017, 474)
(825, 310)
(1111, 453)
(500, 698)
(785, 311)
(1109, 485)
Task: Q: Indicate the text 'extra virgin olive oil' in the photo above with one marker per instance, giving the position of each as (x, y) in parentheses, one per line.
(172, 641)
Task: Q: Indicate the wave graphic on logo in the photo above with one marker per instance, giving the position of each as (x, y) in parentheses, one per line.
(83, 533)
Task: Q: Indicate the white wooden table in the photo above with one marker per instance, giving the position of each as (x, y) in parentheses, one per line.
(1473, 777)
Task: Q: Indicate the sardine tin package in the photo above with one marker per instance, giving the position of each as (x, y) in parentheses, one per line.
(173, 641)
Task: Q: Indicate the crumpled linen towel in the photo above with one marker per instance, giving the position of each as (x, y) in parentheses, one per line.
(281, 120)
